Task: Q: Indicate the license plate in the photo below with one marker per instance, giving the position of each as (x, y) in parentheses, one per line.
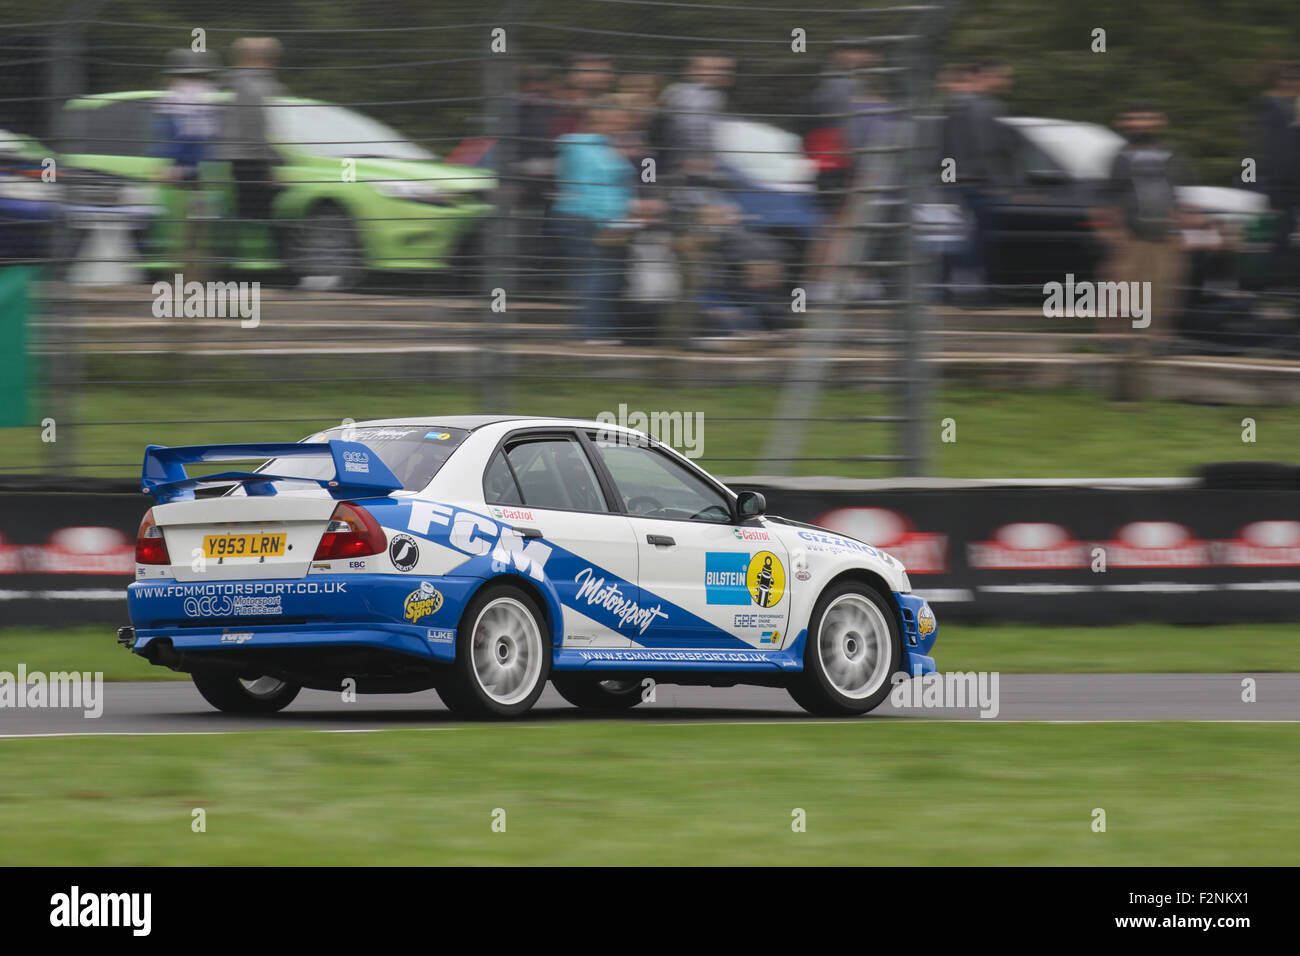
(243, 545)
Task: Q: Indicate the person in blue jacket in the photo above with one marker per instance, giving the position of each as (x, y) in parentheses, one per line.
(186, 124)
(594, 208)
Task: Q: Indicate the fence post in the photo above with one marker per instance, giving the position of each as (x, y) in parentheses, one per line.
(66, 371)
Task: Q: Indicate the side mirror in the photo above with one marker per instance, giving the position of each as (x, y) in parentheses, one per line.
(750, 504)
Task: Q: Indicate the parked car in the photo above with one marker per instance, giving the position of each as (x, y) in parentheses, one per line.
(28, 203)
(1044, 220)
(405, 211)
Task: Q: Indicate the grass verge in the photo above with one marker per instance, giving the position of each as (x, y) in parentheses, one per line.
(999, 434)
(874, 792)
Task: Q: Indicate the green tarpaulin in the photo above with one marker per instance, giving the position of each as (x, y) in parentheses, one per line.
(17, 367)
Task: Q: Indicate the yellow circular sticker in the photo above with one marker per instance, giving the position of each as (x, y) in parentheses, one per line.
(420, 604)
(766, 579)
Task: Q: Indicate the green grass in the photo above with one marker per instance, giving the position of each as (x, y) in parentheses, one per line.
(93, 649)
(1128, 648)
(874, 792)
(1009, 648)
(999, 433)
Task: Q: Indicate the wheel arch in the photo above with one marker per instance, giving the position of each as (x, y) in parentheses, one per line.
(543, 594)
(865, 576)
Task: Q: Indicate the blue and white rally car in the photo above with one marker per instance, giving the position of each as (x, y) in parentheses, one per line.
(484, 556)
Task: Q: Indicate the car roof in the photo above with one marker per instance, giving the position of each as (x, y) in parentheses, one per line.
(474, 422)
(95, 100)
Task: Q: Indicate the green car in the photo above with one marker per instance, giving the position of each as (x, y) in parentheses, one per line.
(354, 195)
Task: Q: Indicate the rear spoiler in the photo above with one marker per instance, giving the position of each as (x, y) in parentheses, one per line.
(358, 471)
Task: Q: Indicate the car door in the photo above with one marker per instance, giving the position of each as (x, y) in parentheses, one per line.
(543, 484)
(721, 583)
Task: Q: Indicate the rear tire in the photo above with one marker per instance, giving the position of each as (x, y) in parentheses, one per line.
(590, 693)
(233, 695)
(326, 247)
(503, 655)
(854, 646)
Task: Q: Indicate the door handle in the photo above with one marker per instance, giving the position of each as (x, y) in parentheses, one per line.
(660, 539)
(528, 532)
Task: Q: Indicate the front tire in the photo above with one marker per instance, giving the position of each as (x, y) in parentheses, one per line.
(589, 693)
(854, 646)
(234, 695)
(503, 656)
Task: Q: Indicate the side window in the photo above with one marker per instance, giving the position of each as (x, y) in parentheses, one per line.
(123, 128)
(655, 486)
(499, 486)
(1027, 157)
(555, 473)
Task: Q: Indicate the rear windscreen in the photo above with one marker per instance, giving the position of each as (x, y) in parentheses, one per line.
(413, 453)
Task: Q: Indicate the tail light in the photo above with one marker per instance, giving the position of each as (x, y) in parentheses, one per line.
(351, 533)
(150, 547)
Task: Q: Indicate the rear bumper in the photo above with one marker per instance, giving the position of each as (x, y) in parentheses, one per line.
(431, 643)
(414, 616)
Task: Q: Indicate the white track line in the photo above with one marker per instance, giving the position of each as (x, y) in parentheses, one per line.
(758, 722)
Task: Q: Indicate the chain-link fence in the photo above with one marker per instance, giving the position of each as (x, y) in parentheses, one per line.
(249, 222)
(231, 222)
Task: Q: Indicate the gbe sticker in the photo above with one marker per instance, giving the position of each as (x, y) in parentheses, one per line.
(404, 552)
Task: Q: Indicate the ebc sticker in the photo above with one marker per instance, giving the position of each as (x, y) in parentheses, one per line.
(403, 552)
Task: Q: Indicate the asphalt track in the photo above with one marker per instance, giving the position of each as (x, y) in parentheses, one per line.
(177, 708)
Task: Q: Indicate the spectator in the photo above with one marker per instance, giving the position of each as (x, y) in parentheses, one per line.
(187, 121)
(829, 142)
(590, 77)
(695, 103)
(850, 116)
(535, 107)
(186, 125)
(596, 190)
(527, 193)
(1274, 136)
(593, 72)
(976, 141)
(740, 292)
(1141, 215)
(653, 274)
(246, 144)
